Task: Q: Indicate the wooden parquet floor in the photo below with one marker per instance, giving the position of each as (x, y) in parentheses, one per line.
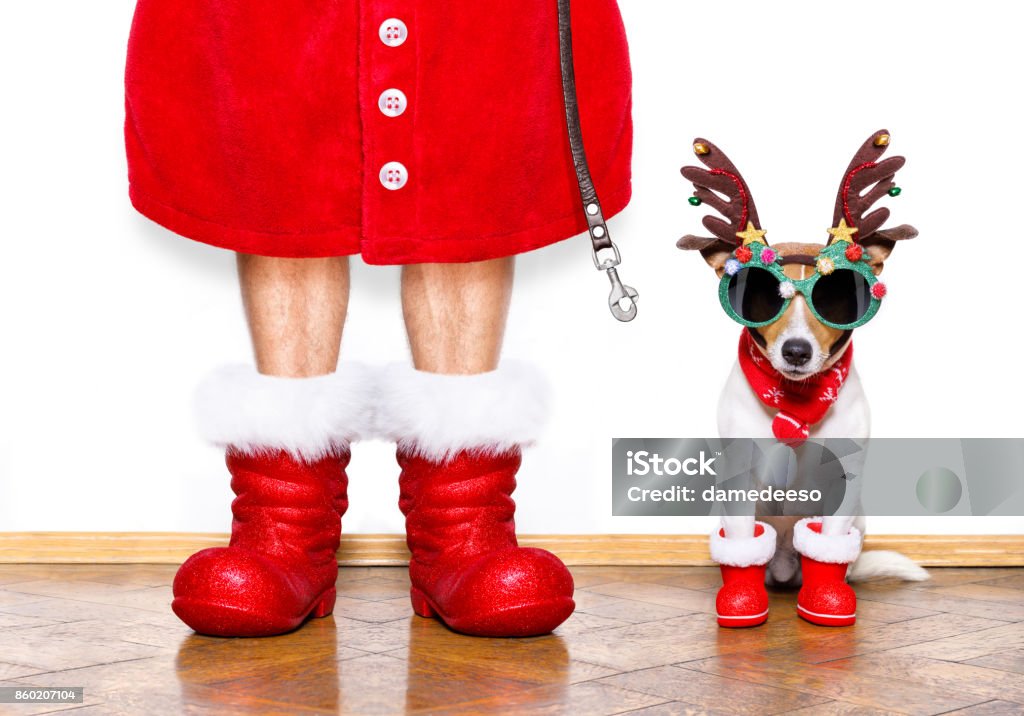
(643, 641)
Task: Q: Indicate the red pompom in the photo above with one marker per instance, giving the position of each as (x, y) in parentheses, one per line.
(744, 254)
(879, 290)
(789, 430)
(854, 252)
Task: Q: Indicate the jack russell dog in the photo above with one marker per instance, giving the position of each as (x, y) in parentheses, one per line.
(794, 379)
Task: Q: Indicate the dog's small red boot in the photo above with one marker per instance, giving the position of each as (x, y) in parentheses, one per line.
(467, 568)
(460, 440)
(742, 600)
(287, 443)
(825, 598)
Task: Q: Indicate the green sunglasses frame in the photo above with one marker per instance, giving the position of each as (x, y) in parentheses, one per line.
(835, 252)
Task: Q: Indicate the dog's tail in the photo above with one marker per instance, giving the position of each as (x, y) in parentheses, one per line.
(886, 563)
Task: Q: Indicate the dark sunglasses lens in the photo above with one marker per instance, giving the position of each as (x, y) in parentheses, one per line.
(754, 295)
(842, 297)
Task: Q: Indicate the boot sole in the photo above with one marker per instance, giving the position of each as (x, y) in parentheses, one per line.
(532, 619)
(219, 619)
(743, 621)
(826, 619)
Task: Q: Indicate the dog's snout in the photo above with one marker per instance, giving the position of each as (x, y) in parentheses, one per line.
(797, 351)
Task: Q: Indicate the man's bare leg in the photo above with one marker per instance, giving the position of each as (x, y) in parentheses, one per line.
(296, 312)
(455, 314)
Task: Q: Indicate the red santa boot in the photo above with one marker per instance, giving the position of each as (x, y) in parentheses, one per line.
(825, 598)
(743, 601)
(287, 443)
(459, 447)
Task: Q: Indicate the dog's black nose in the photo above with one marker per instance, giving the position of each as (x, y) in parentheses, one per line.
(797, 351)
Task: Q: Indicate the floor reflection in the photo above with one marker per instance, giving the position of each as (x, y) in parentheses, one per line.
(312, 669)
(481, 674)
(234, 675)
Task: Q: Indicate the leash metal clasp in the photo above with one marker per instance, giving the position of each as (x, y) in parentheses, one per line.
(622, 299)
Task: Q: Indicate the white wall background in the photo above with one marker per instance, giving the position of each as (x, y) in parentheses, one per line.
(108, 321)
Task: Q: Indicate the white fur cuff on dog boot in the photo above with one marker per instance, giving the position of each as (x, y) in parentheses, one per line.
(809, 541)
(744, 551)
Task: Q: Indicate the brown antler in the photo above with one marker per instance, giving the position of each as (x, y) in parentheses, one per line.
(720, 179)
(865, 182)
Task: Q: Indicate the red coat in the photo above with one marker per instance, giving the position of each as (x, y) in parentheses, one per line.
(275, 128)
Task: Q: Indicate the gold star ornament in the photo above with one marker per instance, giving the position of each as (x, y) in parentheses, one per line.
(843, 232)
(751, 235)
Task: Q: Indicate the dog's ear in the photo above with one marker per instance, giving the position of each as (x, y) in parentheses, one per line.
(880, 244)
(714, 251)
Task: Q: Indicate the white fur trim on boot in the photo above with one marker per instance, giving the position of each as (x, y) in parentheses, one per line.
(743, 551)
(835, 549)
(437, 416)
(307, 417)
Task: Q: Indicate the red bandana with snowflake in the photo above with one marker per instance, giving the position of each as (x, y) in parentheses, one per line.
(801, 403)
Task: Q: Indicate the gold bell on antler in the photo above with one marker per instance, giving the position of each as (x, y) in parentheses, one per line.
(882, 140)
(700, 148)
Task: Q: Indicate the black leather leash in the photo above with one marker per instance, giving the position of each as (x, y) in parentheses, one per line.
(622, 299)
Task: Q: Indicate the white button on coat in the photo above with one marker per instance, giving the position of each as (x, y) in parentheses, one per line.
(394, 175)
(393, 32)
(392, 102)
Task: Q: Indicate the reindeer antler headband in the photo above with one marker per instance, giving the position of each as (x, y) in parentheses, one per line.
(844, 260)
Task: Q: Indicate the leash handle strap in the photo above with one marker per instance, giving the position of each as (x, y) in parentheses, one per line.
(622, 299)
